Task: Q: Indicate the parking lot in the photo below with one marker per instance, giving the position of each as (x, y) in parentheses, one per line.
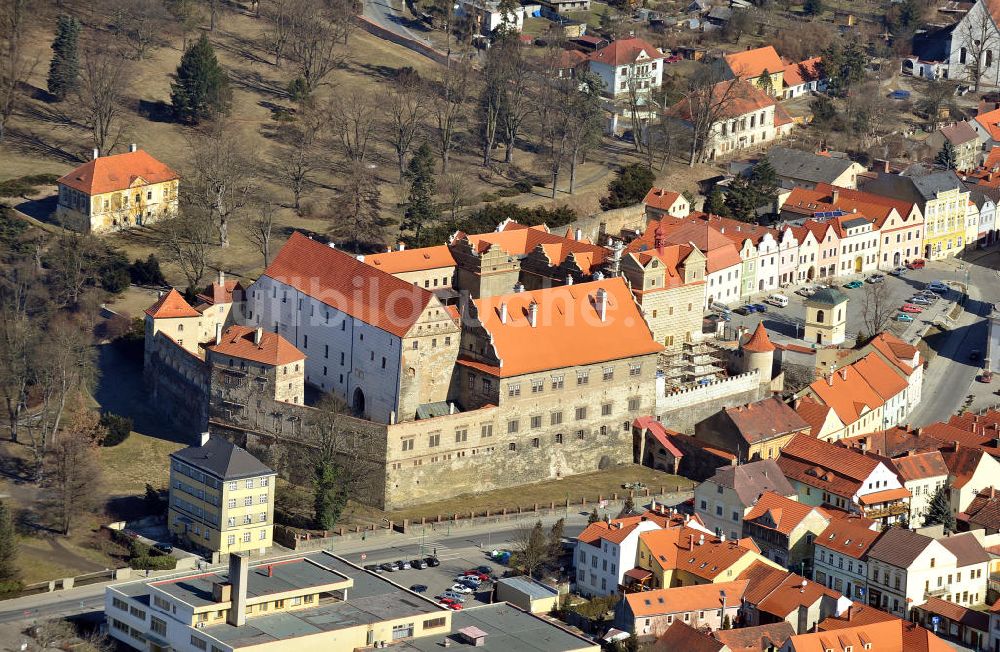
(787, 324)
(440, 578)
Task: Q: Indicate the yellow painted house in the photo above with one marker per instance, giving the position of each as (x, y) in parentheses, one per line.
(110, 193)
(685, 556)
(750, 65)
(221, 498)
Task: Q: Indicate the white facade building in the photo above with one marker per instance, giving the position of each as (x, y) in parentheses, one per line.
(626, 65)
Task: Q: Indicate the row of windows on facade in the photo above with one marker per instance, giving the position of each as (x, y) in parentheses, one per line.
(247, 537)
(557, 381)
(81, 200)
(735, 126)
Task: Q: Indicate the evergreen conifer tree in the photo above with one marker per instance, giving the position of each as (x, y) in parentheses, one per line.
(64, 70)
(421, 211)
(201, 89)
(939, 510)
(8, 545)
(946, 157)
(593, 517)
(715, 203)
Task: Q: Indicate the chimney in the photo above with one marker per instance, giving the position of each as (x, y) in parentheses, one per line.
(569, 279)
(132, 147)
(222, 592)
(518, 287)
(270, 570)
(578, 234)
(850, 609)
(258, 335)
(602, 303)
(333, 245)
(402, 246)
(722, 538)
(222, 278)
(203, 439)
(691, 542)
(829, 380)
(503, 312)
(533, 314)
(834, 196)
(722, 229)
(701, 540)
(97, 153)
(239, 565)
(218, 334)
(360, 257)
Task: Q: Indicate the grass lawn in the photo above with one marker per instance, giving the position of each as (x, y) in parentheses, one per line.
(589, 485)
(136, 461)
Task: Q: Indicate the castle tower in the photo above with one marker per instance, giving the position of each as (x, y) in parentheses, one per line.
(757, 353)
(826, 317)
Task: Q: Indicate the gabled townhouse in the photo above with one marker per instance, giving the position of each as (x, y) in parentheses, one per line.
(788, 257)
(912, 636)
(685, 556)
(828, 243)
(942, 200)
(777, 595)
(684, 637)
(722, 500)
(749, 118)
(660, 202)
(759, 66)
(605, 551)
(906, 568)
(668, 282)
(983, 513)
(971, 223)
(987, 126)
(859, 241)
(970, 470)
(923, 474)
(627, 65)
(808, 254)
(822, 419)
(431, 268)
(796, 168)
(890, 386)
(825, 474)
(987, 208)
(706, 606)
(840, 555)
(753, 431)
(785, 529)
(758, 248)
(723, 265)
(906, 360)
(858, 406)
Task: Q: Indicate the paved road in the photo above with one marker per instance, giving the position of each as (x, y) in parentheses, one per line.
(384, 14)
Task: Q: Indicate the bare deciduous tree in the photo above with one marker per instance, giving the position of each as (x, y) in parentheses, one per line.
(280, 15)
(225, 178)
(260, 228)
(301, 155)
(353, 120)
(553, 117)
(706, 103)
(313, 43)
(20, 292)
(72, 479)
(978, 36)
(403, 107)
(15, 67)
(877, 307)
(455, 189)
(138, 24)
(357, 209)
(186, 241)
(583, 129)
(103, 80)
(449, 106)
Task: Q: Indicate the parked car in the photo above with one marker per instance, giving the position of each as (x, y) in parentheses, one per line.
(375, 568)
(387, 567)
(402, 565)
(853, 285)
(919, 263)
(454, 596)
(920, 301)
(909, 307)
(743, 310)
(164, 548)
(444, 600)
(902, 316)
(937, 286)
(419, 564)
(778, 300)
(805, 292)
(898, 271)
(432, 561)
(460, 588)
(876, 278)
(485, 570)
(419, 588)
(674, 58)
(471, 582)
(759, 307)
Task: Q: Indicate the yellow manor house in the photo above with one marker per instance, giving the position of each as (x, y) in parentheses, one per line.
(115, 192)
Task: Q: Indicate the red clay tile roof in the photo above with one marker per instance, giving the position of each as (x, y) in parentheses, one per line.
(720, 253)
(984, 510)
(519, 240)
(117, 172)
(660, 198)
(660, 434)
(170, 306)
(684, 637)
(962, 462)
(824, 465)
(627, 50)
(759, 342)
(895, 350)
(766, 419)
(957, 613)
(733, 102)
(686, 598)
(755, 639)
(274, 350)
(780, 592)
(920, 466)
(893, 442)
(785, 513)
(882, 377)
(848, 393)
(412, 260)
(735, 230)
(749, 64)
(671, 549)
(568, 330)
(990, 121)
(215, 293)
(914, 637)
(847, 538)
(812, 412)
(803, 71)
(341, 281)
(884, 496)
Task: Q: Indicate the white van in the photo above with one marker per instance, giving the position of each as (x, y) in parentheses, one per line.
(779, 300)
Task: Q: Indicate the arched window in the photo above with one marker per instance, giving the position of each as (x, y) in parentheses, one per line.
(819, 316)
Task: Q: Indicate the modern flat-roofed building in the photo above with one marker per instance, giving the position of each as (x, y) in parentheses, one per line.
(221, 498)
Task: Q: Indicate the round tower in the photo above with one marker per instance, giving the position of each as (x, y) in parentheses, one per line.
(757, 353)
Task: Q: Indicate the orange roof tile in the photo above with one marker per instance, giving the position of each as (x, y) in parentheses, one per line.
(915, 638)
(733, 101)
(780, 592)
(736, 230)
(170, 306)
(708, 558)
(803, 71)
(626, 50)
(785, 513)
(875, 637)
(755, 639)
(920, 466)
(412, 260)
(568, 329)
(759, 342)
(884, 496)
(341, 281)
(273, 349)
(882, 377)
(826, 466)
(847, 537)
(117, 172)
(686, 598)
(990, 121)
(660, 198)
(720, 253)
(217, 293)
(749, 64)
(848, 393)
(519, 240)
(812, 412)
(962, 461)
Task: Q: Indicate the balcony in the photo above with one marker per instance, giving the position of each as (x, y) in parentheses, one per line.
(896, 509)
(935, 593)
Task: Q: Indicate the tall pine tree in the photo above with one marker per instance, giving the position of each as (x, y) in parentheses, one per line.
(946, 156)
(421, 211)
(201, 90)
(64, 70)
(939, 509)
